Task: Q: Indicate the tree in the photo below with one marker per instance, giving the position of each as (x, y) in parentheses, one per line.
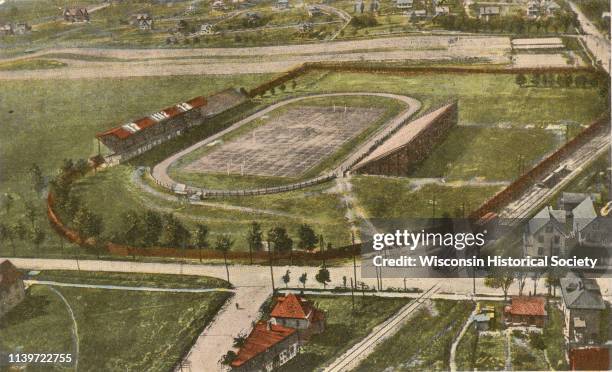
(38, 237)
(88, 225)
(240, 340)
(224, 243)
(6, 233)
(521, 80)
(281, 240)
(521, 277)
(500, 279)
(537, 274)
(133, 230)
(536, 79)
(323, 276)
(303, 278)
(308, 238)
(286, 278)
(254, 239)
(228, 358)
(201, 238)
(38, 179)
(176, 233)
(31, 212)
(151, 228)
(293, 84)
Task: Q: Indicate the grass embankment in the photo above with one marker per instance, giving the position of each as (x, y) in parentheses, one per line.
(424, 342)
(343, 328)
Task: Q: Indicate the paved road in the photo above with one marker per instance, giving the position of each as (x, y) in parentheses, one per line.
(218, 61)
(252, 286)
(597, 43)
(160, 171)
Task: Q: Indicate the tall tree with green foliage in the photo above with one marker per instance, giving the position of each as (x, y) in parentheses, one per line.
(224, 244)
(176, 233)
(132, 228)
(500, 279)
(521, 80)
(201, 238)
(38, 236)
(37, 179)
(152, 225)
(286, 278)
(303, 278)
(323, 276)
(254, 239)
(308, 238)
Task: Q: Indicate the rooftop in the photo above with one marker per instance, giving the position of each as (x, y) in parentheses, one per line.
(581, 293)
(263, 336)
(523, 305)
(292, 306)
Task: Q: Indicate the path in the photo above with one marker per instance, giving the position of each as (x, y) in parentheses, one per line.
(160, 171)
(126, 288)
(597, 43)
(508, 335)
(453, 352)
(360, 351)
(75, 328)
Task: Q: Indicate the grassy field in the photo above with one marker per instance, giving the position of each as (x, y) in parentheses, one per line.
(31, 64)
(221, 181)
(554, 339)
(343, 327)
(424, 342)
(491, 154)
(116, 330)
(132, 279)
(491, 352)
(396, 198)
(526, 357)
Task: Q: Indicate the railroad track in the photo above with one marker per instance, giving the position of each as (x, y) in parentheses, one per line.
(536, 196)
(388, 328)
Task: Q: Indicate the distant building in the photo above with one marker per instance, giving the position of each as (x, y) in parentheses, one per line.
(314, 10)
(551, 7)
(266, 348)
(374, 5)
(305, 27)
(404, 4)
(605, 16)
(417, 14)
(582, 309)
(20, 28)
(557, 231)
(488, 12)
(484, 316)
(207, 29)
(295, 312)
(533, 9)
(6, 30)
(12, 290)
(359, 6)
(282, 4)
(143, 21)
(526, 311)
(76, 15)
(442, 10)
(218, 5)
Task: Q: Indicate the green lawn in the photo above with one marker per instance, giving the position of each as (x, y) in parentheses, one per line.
(526, 357)
(343, 327)
(117, 330)
(424, 342)
(132, 279)
(31, 64)
(491, 352)
(395, 198)
(466, 350)
(492, 154)
(554, 338)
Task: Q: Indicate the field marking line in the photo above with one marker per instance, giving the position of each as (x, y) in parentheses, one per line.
(75, 328)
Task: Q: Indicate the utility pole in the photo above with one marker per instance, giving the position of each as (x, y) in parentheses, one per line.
(271, 270)
(354, 259)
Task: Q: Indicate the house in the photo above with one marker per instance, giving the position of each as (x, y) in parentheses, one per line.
(218, 5)
(417, 14)
(142, 20)
(533, 9)
(605, 16)
(305, 27)
(590, 359)
(546, 234)
(551, 8)
(282, 4)
(295, 312)
(207, 29)
(484, 316)
(12, 290)
(359, 6)
(6, 30)
(21, 28)
(488, 12)
(582, 307)
(527, 311)
(374, 5)
(267, 347)
(404, 4)
(557, 231)
(442, 10)
(76, 15)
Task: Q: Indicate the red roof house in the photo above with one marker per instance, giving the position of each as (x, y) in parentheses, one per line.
(268, 346)
(296, 312)
(526, 311)
(590, 359)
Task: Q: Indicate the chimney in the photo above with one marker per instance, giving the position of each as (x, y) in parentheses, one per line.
(269, 325)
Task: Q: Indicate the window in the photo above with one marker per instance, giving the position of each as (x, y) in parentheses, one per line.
(557, 239)
(540, 251)
(549, 229)
(540, 238)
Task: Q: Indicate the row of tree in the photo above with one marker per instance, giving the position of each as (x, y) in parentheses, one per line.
(563, 80)
(563, 22)
(503, 278)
